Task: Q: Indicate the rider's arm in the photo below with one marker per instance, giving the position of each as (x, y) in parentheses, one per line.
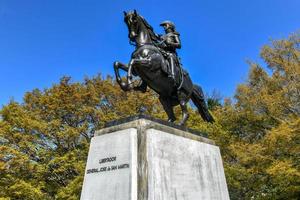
(175, 43)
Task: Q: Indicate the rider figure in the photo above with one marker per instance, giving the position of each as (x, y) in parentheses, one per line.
(171, 42)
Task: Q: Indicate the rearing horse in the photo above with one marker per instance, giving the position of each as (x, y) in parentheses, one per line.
(148, 63)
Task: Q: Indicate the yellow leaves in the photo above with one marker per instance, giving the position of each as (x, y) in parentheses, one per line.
(282, 53)
(283, 141)
(271, 165)
(279, 136)
(25, 190)
(62, 169)
(248, 154)
(259, 133)
(71, 191)
(15, 164)
(45, 139)
(283, 169)
(286, 177)
(265, 101)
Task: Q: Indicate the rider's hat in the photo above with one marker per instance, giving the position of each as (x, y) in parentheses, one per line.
(167, 22)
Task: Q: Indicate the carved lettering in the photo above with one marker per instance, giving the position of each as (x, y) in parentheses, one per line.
(110, 159)
(107, 169)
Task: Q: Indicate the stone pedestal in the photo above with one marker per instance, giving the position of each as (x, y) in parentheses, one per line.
(141, 158)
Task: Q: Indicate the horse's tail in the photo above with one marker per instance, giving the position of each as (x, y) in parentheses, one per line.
(198, 99)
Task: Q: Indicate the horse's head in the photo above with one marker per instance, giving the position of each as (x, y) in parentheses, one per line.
(131, 20)
(139, 29)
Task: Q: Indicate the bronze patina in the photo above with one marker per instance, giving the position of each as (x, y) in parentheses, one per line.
(156, 63)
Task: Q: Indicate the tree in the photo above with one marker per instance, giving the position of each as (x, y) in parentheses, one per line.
(44, 141)
(264, 155)
(214, 100)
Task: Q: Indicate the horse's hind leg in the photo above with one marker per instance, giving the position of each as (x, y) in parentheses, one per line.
(183, 99)
(185, 114)
(168, 108)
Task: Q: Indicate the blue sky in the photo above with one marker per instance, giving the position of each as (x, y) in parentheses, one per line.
(40, 41)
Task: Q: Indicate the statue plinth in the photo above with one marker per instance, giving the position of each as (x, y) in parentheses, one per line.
(141, 158)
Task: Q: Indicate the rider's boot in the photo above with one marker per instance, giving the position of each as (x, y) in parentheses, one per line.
(172, 66)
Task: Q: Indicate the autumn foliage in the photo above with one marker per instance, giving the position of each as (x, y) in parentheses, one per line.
(44, 140)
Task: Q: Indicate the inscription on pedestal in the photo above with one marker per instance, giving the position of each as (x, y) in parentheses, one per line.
(149, 161)
(111, 165)
(107, 168)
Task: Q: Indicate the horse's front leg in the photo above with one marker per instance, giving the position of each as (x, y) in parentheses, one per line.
(129, 74)
(142, 87)
(124, 85)
(117, 66)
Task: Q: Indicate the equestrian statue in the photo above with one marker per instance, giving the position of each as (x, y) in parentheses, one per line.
(156, 63)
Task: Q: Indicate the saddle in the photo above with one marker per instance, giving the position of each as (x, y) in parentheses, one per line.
(179, 71)
(166, 68)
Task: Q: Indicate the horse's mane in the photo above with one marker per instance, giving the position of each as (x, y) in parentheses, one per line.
(153, 36)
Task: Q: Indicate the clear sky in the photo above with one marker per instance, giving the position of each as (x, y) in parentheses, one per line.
(42, 40)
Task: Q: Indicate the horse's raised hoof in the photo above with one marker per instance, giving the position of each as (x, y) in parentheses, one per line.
(124, 86)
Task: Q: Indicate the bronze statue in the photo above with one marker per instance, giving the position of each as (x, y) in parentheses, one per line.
(155, 61)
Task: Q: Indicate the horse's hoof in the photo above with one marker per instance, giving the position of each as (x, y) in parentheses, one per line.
(181, 124)
(171, 120)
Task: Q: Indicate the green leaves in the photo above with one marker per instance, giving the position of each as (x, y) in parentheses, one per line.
(264, 161)
(45, 140)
